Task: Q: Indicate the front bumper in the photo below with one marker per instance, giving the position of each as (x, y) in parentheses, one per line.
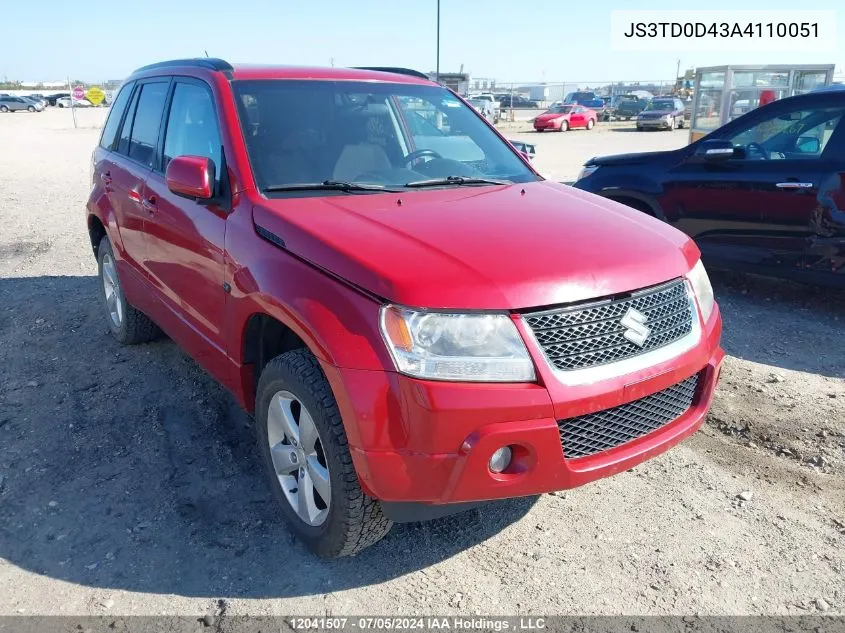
(430, 442)
(660, 124)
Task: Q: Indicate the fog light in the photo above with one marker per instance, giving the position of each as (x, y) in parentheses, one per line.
(501, 459)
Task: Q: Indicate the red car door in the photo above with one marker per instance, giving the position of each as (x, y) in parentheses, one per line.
(122, 180)
(185, 238)
(578, 117)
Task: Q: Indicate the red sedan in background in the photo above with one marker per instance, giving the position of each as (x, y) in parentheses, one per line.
(565, 117)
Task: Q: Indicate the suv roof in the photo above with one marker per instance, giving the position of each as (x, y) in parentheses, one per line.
(255, 71)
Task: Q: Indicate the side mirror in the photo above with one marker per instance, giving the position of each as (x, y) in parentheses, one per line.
(808, 145)
(715, 150)
(191, 177)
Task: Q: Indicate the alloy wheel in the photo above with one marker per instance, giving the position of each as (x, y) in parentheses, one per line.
(111, 286)
(298, 458)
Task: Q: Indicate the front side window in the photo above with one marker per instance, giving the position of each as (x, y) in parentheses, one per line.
(142, 141)
(192, 128)
(379, 134)
(799, 134)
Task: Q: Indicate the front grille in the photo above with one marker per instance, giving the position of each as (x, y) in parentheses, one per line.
(600, 431)
(586, 335)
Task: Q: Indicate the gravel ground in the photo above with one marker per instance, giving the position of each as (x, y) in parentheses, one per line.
(128, 483)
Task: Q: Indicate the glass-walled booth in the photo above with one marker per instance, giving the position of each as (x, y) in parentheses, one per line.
(723, 93)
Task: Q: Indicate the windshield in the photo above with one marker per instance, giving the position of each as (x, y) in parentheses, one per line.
(661, 105)
(387, 134)
(562, 109)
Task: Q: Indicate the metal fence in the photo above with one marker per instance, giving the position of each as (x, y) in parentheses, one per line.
(544, 93)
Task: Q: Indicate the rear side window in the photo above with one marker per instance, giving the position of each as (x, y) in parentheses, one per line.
(192, 125)
(126, 130)
(142, 142)
(115, 115)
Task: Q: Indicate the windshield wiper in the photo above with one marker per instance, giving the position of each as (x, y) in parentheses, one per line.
(329, 185)
(455, 180)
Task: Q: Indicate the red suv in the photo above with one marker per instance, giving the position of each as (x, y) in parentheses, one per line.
(416, 319)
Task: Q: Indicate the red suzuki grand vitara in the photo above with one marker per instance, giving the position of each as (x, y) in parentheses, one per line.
(417, 320)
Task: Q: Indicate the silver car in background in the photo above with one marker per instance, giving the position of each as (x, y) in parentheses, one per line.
(13, 104)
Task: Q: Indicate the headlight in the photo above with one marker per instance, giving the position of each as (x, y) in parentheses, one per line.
(703, 290)
(464, 347)
(587, 171)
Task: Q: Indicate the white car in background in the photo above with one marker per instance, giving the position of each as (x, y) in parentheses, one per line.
(64, 102)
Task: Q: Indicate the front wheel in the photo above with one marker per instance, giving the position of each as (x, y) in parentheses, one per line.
(31, 109)
(306, 456)
(564, 126)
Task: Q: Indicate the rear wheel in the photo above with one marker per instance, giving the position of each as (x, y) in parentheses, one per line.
(3, 108)
(128, 325)
(590, 124)
(31, 109)
(306, 456)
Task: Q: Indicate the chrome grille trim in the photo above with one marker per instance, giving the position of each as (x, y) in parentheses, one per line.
(588, 336)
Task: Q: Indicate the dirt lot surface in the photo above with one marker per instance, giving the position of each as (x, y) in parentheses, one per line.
(129, 485)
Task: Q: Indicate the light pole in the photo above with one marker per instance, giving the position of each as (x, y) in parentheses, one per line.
(437, 70)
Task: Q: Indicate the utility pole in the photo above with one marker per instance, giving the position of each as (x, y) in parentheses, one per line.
(677, 74)
(437, 71)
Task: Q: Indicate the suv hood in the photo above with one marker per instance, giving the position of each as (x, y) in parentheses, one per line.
(491, 247)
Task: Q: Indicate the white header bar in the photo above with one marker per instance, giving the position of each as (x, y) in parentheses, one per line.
(707, 30)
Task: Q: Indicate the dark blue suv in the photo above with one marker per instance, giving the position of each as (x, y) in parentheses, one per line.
(764, 193)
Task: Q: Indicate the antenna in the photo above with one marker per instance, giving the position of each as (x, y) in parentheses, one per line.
(206, 53)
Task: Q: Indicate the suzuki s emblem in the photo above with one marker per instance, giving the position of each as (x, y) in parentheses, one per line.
(636, 330)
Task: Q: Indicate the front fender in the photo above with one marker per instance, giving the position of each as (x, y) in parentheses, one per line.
(338, 323)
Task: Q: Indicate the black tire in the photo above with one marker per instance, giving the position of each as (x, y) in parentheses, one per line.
(4, 109)
(355, 521)
(31, 109)
(681, 124)
(539, 130)
(135, 327)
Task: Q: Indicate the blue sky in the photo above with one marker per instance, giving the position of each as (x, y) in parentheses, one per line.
(567, 40)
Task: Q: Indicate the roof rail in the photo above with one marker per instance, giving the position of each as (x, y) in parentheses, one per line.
(394, 70)
(212, 63)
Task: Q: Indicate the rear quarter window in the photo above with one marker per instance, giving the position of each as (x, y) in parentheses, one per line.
(145, 127)
(107, 138)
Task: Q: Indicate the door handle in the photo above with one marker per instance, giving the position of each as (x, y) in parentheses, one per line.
(794, 185)
(149, 204)
(106, 180)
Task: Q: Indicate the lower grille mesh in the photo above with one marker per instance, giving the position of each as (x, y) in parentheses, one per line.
(596, 432)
